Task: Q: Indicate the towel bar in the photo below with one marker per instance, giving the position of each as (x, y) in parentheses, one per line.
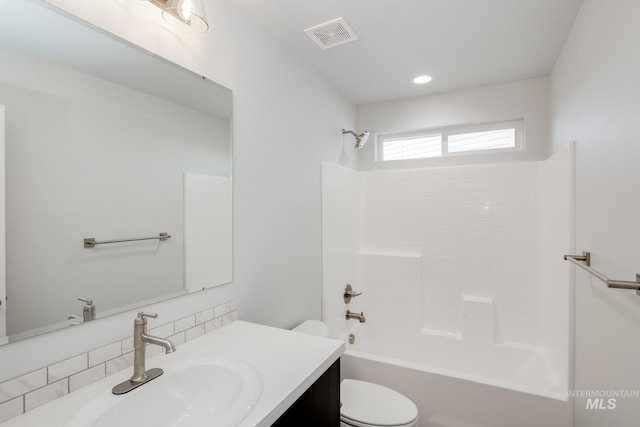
(90, 242)
(584, 261)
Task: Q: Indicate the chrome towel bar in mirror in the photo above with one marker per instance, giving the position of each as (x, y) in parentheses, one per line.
(90, 242)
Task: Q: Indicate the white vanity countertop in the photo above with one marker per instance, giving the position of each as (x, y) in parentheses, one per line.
(288, 361)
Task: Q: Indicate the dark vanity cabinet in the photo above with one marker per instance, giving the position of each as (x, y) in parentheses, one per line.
(319, 406)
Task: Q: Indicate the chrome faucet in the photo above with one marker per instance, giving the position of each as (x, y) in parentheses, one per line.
(88, 312)
(140, 337)
(358, 316)
(89, 309)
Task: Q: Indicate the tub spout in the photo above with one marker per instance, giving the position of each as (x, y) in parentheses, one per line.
(358, 316)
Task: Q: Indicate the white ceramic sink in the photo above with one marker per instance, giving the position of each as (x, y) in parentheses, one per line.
(193, 393)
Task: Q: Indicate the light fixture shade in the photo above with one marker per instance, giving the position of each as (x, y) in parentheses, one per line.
(188, 15)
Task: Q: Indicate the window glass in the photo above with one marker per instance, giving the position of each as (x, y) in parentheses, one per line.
(459, 140)
(487, 140)
(412, 148)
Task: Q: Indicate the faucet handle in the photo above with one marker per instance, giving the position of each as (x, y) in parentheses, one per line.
(141, 319)
(87, 301)
(142, 315)
(349, 293)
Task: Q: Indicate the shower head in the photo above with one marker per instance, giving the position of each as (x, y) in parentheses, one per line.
(360, 139)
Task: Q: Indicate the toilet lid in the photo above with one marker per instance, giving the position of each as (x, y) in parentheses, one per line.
(313, 327)
(373, 404)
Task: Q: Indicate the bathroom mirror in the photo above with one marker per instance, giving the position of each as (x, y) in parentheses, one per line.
(104, 140)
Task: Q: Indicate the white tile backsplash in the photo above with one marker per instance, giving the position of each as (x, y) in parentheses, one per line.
(221, 310)
(105, 353)
(184, 324)
(164, 330)
(195, 332)
(67, 367)
(119, 363)
(127, 345)
(23, 384)
(87, 377)
(12, 408)
(178, 339)
(39, 387)
(204, 316)
(229, 317)
(46, 394)
(153, 350)
(213, 324)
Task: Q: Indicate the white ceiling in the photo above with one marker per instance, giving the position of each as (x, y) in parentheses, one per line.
(461, 43)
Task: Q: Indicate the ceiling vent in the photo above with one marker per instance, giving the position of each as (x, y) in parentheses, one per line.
(331, 34)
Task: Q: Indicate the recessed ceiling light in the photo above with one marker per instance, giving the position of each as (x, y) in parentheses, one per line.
(420, 80)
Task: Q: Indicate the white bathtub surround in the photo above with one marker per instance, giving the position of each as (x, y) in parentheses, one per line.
(556, 215)
(288, 362)
(479, 320)
(342, 200)
(34, 389)
(476, 229)
(394, 331)
(461, 270)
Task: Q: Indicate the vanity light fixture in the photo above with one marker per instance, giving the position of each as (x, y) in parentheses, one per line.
(188, 15)
(420, 80)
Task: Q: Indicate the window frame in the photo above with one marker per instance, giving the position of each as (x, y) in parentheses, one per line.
(446, 132)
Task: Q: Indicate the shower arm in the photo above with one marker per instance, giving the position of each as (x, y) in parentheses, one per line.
(361, 139)
(344, 132)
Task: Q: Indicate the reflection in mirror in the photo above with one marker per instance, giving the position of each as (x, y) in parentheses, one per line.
(105, 141)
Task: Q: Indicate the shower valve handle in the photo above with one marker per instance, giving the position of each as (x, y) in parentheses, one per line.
(349, 293)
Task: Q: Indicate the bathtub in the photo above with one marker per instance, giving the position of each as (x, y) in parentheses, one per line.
(454, 385)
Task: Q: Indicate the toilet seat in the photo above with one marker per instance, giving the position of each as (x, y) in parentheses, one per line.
(366, 404)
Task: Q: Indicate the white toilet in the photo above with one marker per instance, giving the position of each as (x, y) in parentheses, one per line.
(366, 404)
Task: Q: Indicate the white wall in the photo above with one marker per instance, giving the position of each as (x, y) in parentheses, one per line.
(3, 294)
(596, 102)
(527, 99)
(287, 120)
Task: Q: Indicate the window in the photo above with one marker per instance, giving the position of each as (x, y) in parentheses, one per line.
(473, 139)
(417, 147)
